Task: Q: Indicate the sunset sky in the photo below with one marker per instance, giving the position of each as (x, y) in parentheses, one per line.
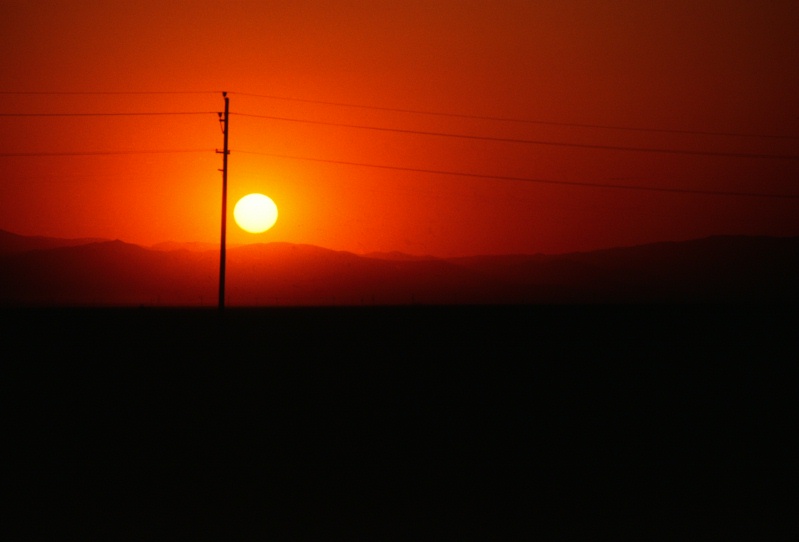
(343, 111)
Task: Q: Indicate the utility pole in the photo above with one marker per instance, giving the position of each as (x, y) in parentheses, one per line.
(222, 247)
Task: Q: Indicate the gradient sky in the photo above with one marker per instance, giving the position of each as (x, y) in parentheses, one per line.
(715, 78)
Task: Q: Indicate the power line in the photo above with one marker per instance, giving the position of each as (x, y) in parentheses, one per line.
(423, 132)
(530, 179)
(95, 153)
(411, 111)
(100, 93)
(108, 114)
(520, 120)
(530, 141)
(405, 131)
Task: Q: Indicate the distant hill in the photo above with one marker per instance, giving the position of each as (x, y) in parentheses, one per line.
(714, 269)
(46, 272)
(11, 243)
(167, 246)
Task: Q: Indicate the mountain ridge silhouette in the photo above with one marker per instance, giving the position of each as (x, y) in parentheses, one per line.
(42, 271)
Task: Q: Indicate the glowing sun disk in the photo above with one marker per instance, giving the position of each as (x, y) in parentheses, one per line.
(255, 213)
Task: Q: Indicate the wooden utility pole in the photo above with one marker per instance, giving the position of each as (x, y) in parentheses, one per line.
(222, 247)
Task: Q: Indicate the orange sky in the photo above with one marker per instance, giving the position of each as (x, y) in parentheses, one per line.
(726, 67)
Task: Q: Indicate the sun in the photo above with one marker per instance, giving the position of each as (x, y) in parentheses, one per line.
(255, 213)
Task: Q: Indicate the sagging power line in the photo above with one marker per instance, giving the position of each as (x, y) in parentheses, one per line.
(521, 120)
(530, 179)
(138, 114)
(427, 112)
(103, 93)
(400, 131)
(429, 133)
(99, 153)
(529, 141)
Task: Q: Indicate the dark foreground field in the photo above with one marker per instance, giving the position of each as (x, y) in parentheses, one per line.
(413, 423)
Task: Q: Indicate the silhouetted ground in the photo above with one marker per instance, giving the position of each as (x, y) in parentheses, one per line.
(407, 423)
